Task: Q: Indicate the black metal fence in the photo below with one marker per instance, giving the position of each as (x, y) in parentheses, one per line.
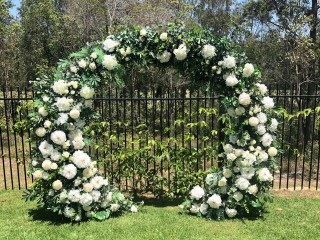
(299, 136)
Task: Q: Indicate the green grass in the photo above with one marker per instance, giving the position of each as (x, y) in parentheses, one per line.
(289, 217)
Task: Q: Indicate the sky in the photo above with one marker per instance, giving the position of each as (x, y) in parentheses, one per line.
(14, 10)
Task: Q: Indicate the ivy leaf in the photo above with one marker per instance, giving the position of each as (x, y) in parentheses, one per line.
(102, 215)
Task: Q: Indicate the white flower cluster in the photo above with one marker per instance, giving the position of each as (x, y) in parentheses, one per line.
(181, 52)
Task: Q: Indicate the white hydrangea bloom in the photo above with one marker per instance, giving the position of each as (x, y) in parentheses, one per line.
(262, 117)
(109, 62)
(86, 92)
(60, 87)
(81, 159)
(264, 175)
(64, 104)
(109, 45)
(247, 172)
(248, 70)
(229, 62)
(197, 192)
(181, 52)
(97, 182)
(231, 80)
(244, 99)
(267, 102)
(242, 183)
(208, 51)
(45, 148)
(266, 139)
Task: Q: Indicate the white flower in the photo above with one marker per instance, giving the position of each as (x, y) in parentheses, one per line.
(211, 179)
(60, 87)
(239, 111)
(165, 57)
(266, 139)
(92, 66)
(195, 208)
(74, 195)
(181, 52)
(114, 207)
(242, 183)
(64, 104)
(45, 98)
(253, 121)
(272, 151)
(244, 99)
(37, 174)
(264, 175)
(227, 173)
(274, 125)
(57, 185)
(54, 166)
(164, 36)
(231, 80)
(238, 196)
(85, 199)
(74, 113)
(47, 124)
(95, 195)
(97, 182)
(81, 159)
(238, 152)
(94, 55)
(34, 163)
(231, 212)
(256, 109)
(261, 129)
(69, 212)
(208, 51)
(262, 117)
(133, 209)
(87, 173)
(231, 112)
(75, 134)
(229, 62)
(40, 132)
(78, 143)
(45, 148)
(253, 189)
(267, 102)
(143, 32)
(87, 187)
(228, 148)
(197, 192)
(263, 156)
(62, 119)
(222, 182)
(214, 201)
(46, 165)
(109, 62)
(58, 137)
(247, 172)
(69, 171)
(43, 112)
(88, 103)
(109, 45)
(74, 84)
(55, 155)
(203, 208)
(73, 69)
(65, 154)
(86, 92)
(247, 70)
(231, 156)
(262, 88)
(82, 63)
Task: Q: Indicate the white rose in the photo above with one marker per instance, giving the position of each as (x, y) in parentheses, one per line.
(264, 175)
(109, 45)
(262, 117)
(238, 196)
(231, 212)
(74, 113)
(37, 174)
(45, 148)
(94, 55)
(87, 92)
(247, 70)
(143, 32)
(43, 112)
(261, 129)
(263, 156)
(133, 209)
(64, 104)
(267, 102)
(247, 172)
(228, 148)
(58, 137)
(47, 124)
(222, 182)
(229, 62)
(57, 185)
(253, 121)
(69, 171)
(244, 99)
(266, 140)
(54, 166)
(45, 98)
(262, 88)
(85, 200)
(81, 159)
(203, 208)
(82, 63)
(60, 87)
(231, 80)
(40, 132)
(195, 208)
(197, 192)
(92, 66)
(180, 52)
(97, 182)
(272, 151)
(231, 156)
(242, 183)
(227, 173)
(165, 57)
(109, 62)
(253, 189)
(164, 36)
(65, 154)
(73, 69)
(214, 201)
(208, 51)
(46, 165)
(274, 125)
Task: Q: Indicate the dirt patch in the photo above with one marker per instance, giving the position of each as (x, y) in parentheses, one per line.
(314, 194)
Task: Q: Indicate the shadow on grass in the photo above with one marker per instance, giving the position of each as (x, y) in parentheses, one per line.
(162, 202)
(44, 215)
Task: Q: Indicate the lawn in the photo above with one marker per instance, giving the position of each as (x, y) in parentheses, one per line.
(293, 215)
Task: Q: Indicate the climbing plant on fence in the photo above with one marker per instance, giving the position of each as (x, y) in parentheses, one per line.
(68, 181)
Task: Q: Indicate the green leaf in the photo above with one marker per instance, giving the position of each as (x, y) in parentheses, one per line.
(102, 215)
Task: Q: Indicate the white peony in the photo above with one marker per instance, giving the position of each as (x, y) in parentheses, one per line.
(62, 119)
(73, 69)
(274, 125)
(55, 155)
(114, 207)
(54, 166)
(109, 62)
(47, 124)
(94, 55)
(109, 45)
(244, 99)
(87, 187)
(227, 173)
(264, 175)
(197, 192)
(57, 185)
(45, 148)
(231, 80)
(262, 88)
(239, 111)
(97, 182)
(267, 102)
(222, 182)
(86, 92)
(242, 183)
(46, 165)
(195, 208)
(266, 139)
(60, 87)
(43, 112)
(74, 195)
(238, 196)
(165, 57)
(143, 32)
(78, 143)
(95, 195)
(92, 66)
(208, 51)
(229, 62)
(37, 174)
(81, 159)
(228, 148)
(247, 172)
(231, 213)
(181, 52)
(85, 199)
(253, 189)
(262, 117)
(82, 63)
(263, 156)
(272, 151)
(214, 201)
(64, 104)
(247, 70)
(133, 209)
(74, 113)
(58, 137)
(164, 36)
(261, 129)
(40, 132)
(69, 171)
(253, 121)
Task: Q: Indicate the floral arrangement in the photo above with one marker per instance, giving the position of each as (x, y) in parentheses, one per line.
(68, 181)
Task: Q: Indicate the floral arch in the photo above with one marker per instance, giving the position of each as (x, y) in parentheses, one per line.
(68, 181)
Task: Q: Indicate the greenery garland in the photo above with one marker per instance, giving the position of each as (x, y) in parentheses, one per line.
(68, 181)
